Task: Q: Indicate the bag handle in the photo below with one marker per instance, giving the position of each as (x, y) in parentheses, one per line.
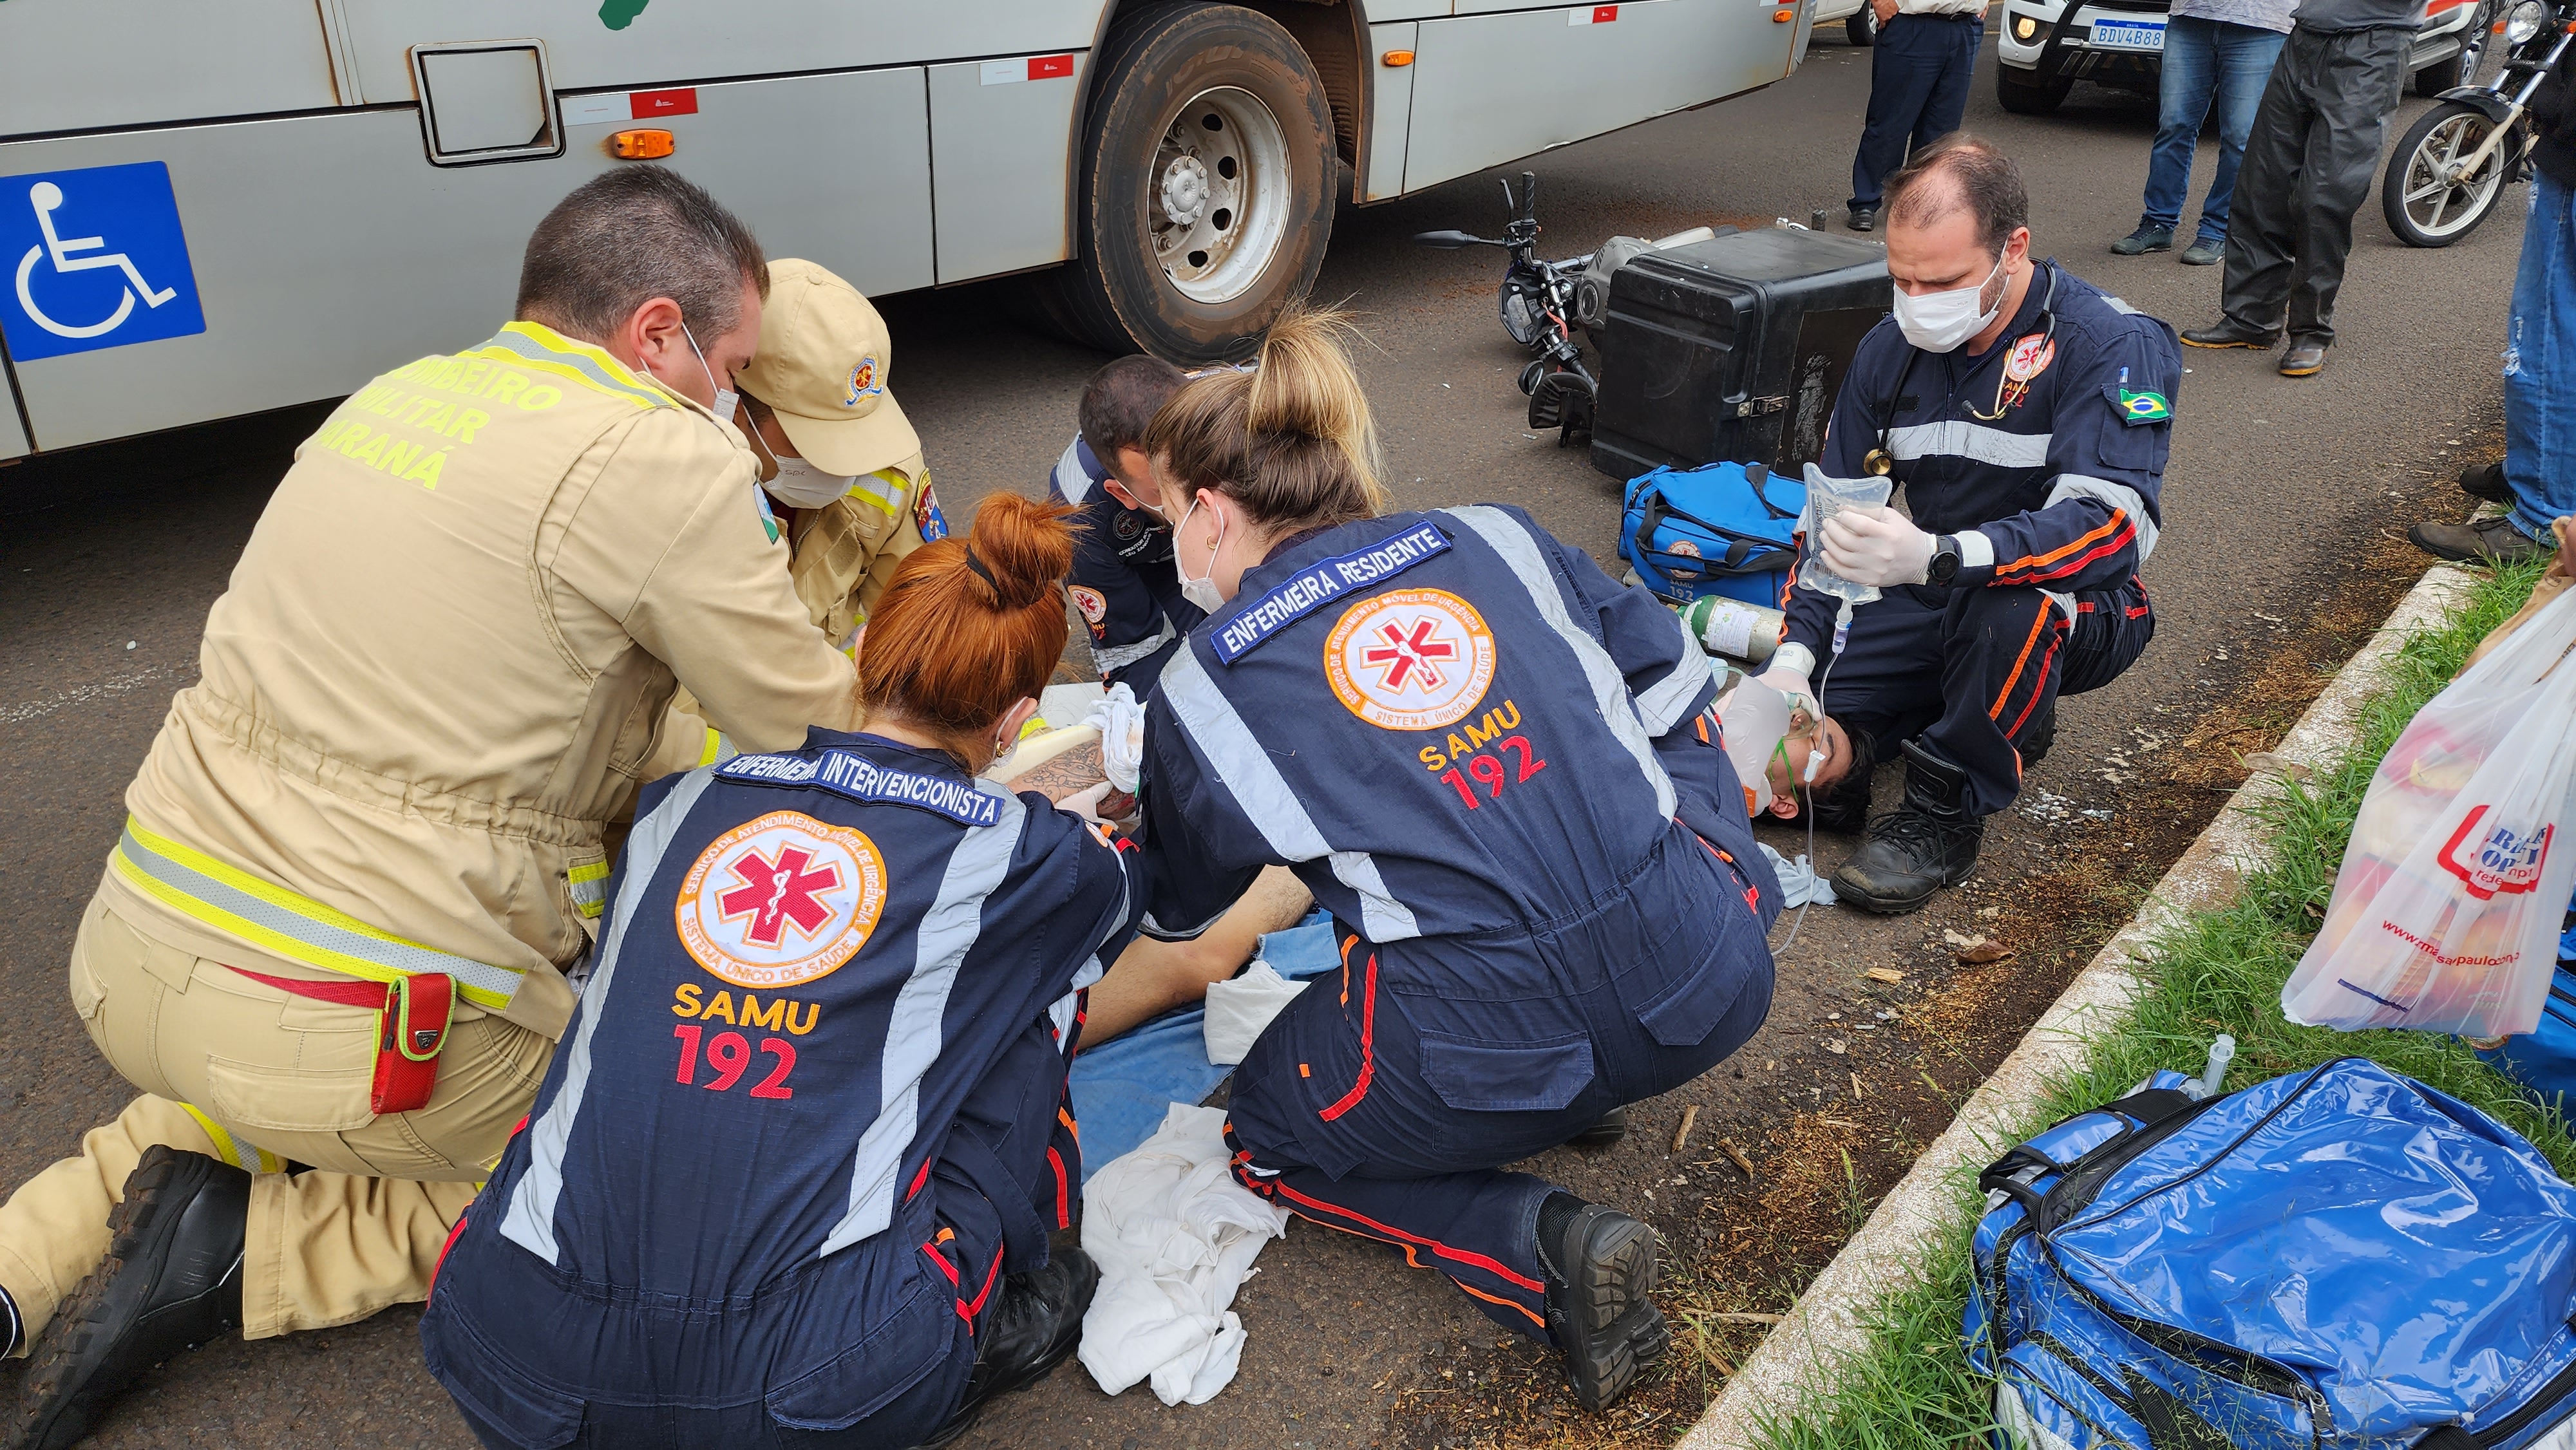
(1743, 556)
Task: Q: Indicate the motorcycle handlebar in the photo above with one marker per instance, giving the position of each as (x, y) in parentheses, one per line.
(1451, 240)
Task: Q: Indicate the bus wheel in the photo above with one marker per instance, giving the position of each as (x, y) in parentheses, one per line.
(1205, 193)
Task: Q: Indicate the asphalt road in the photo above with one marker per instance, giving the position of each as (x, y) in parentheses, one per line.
(109, 559)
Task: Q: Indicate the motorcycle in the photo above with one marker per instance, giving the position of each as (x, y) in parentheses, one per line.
(2458, 157)
(1537, 305)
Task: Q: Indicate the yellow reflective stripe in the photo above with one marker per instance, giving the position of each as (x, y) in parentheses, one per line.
(589, 884)
(249, 1157)
(714, 748)
(527, 344)
(293, 926)
(887, 489)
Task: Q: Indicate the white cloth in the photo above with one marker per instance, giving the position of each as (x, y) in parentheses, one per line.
(1799, 883)
(1122, 736)
(1238, 1008)
(1174, 1236)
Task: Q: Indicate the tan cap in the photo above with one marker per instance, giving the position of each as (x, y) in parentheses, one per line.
(821, 367)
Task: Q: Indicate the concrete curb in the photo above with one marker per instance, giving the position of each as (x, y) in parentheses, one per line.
(1831, 1320)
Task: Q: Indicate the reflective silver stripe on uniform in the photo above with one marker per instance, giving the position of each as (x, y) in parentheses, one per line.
(535, 352)
(2064, 601)
(889, 495)
(1664, 702)
(1609, 688)
(912, 1041)
(1120, 656)
(1959, 438)
(1071, 478)
(2121, 306)
(2116, 495)
(1243, 767)
(1976, 551)
(530, 1221)
(386, 954)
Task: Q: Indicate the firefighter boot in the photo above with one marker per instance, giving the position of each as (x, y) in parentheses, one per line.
(171, 1281)
(1601, 1273)
(1037, 1323)
(1928, 842)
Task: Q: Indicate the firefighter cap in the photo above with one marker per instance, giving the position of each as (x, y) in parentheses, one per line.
(821, 367)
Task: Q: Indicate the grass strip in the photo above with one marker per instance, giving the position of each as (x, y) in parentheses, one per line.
(2216, 971)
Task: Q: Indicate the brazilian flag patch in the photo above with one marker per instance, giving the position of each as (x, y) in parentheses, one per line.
(2138, 408)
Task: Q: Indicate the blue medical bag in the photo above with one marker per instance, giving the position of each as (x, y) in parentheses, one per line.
(1725, 528)
(2336, 1259)
(2543, 1060)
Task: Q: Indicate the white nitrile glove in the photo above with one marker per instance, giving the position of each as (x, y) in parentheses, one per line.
(1876, 546)
(1121, 722)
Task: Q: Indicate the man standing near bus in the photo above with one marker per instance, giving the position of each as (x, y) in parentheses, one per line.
(367, 850)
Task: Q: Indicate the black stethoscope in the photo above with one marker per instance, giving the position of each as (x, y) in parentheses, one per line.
(1881, 461)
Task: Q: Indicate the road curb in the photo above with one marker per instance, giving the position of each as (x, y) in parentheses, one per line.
(1830, 1322)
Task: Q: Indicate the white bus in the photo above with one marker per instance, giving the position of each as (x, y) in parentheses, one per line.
(217, 207)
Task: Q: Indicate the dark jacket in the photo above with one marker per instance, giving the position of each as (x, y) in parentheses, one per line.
(2553, 113)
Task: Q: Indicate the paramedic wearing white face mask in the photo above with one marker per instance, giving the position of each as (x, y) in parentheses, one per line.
(2026, 416)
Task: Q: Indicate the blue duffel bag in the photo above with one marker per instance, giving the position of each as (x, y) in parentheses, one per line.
(1726, 528)
(2336, 1259)
(2543, 1060)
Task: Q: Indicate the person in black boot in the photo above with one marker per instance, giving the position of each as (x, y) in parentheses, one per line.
(1928, 842)
(2027, 416)
(1038, 1324)
(172, 1281)
(1601, 1273)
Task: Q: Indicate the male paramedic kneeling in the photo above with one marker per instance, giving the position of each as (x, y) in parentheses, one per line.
(365, 848)
(791, 1178)
(1498, 770)
(2027, 416)
(1122, 582)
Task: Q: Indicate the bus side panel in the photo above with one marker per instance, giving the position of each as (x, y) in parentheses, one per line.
(1491, 88)
(595, 44)
(1389, 122)
(13, 438)
(326, 249)
(999, 136)
(74, 65)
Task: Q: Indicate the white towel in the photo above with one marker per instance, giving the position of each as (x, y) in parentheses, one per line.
(1122, 736)
(1239, 1007)
(1799, 883)
(1175, 1237)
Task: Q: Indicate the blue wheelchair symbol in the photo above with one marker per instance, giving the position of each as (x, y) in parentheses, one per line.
(96, 258)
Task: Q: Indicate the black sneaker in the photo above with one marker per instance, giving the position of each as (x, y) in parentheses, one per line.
(1600, 1304)
(2486, 481)
(1612, 1127)
(1861, 218)
(1037, 1324)
(2145, 239)
(172, 1280)
(2205, 253)
(1925, 844)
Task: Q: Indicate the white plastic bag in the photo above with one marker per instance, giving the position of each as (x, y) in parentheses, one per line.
(2446, 911)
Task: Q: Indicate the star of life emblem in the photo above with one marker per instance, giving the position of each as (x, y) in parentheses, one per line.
(781, 900)
(1410, 659)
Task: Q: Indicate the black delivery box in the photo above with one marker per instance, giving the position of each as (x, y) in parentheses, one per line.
(1732, 348)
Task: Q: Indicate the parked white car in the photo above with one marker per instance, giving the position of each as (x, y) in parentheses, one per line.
(1859, 22)
(2048, 45)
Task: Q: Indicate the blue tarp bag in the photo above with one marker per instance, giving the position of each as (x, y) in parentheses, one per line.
(2336, 1259)
(2543, 1060)
(1726, 528)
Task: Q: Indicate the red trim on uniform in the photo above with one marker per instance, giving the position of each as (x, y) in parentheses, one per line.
(918, 1179)
(2119, 520)
(452, 1236)
(2038, 622)
(370, 995)
(991, 1275)
(1538, 1319)
(1368, 1043)
(2081, 562)
(2037, 681)
(1063, 1195)
(1399, 1236)
(941, 1260)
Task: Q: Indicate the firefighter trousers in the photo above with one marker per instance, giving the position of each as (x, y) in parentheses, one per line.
(250, 1074)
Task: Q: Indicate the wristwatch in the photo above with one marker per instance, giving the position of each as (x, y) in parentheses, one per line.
(1945, 561)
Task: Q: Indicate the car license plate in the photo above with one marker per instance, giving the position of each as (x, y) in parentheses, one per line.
(2128, 35)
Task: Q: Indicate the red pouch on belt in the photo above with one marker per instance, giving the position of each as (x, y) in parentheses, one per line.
(409, 1034)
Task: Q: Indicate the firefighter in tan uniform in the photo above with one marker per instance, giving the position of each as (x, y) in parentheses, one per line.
(841, 463)
(367, 849)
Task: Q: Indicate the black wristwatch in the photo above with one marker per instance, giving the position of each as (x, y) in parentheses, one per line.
(1945, 561)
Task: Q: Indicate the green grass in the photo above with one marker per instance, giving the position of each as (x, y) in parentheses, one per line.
(2217, 971)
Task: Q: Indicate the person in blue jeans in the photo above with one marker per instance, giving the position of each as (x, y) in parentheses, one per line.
(2215, 50)
(1918, 89)
(2537, 479)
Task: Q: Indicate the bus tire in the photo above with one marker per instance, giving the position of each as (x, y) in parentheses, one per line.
(1204, 194)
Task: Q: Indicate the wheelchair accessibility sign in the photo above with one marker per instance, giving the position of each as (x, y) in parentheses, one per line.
(95, 258)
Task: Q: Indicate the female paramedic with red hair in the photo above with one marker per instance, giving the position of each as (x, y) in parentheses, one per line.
(1498, 770)
(790, 1178)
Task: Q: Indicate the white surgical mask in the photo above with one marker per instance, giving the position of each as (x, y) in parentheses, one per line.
(1940, 321)
(1201, 591)
(800, 485)
(725, 397)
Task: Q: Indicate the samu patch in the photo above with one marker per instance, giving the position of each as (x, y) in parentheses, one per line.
(2136, 409)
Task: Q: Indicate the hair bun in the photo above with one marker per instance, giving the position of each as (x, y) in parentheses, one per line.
(1024, 547)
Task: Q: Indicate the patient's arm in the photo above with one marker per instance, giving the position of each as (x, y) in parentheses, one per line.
(1152, 977)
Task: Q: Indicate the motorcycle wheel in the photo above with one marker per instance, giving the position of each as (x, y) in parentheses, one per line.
(2422, 207)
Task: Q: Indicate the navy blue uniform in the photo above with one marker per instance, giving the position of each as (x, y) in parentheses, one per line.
(1498, 770)
(2045, 456)
(1123, 582)
(809, 1110)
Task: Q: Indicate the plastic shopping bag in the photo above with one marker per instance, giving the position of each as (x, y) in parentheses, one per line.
(2446, 912)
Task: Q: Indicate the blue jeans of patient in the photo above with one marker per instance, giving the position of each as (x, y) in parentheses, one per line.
(2205, 61)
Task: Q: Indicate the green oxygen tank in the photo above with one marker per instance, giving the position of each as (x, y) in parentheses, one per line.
(1732, 628)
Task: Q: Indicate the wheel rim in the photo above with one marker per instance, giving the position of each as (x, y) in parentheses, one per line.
(2439, 204)
(2474, 45)
(1216, 202)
